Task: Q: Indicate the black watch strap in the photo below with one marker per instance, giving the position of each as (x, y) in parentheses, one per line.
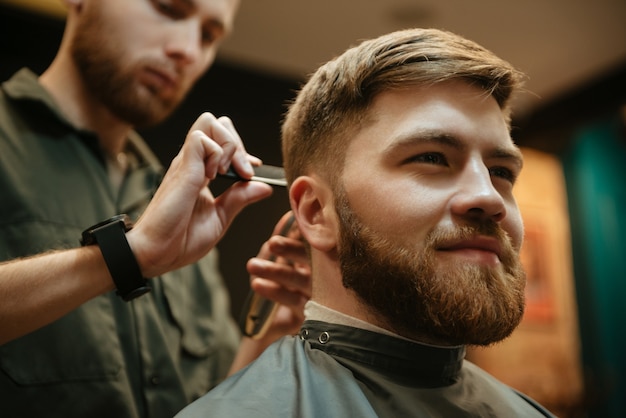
(110, 236)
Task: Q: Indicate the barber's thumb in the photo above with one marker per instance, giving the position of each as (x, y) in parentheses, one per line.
(241, 194)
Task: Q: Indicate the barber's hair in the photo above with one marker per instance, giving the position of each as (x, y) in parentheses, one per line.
(332, 106)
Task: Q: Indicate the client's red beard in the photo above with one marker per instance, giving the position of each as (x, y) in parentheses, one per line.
(453, 303)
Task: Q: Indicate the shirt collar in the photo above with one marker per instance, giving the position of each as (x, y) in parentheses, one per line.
(24, 85)
(319, 312)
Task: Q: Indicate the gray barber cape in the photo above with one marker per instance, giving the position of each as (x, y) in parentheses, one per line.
(331, 370)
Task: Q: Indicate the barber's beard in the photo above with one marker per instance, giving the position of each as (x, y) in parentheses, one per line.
(112, 81)
(423, 298)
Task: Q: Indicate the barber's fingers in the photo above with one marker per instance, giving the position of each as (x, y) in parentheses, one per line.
(217, 132)
(294, 277)
(228, 124)
(222, 131)
(290, 249)
(282, 223)
(266, 251)
(239, 195)
(287, 245)
(271, 290)
(211, 153)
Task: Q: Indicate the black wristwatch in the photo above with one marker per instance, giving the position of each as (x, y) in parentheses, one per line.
(110, 236)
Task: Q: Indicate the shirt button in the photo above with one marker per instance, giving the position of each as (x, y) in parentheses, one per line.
(155, 380)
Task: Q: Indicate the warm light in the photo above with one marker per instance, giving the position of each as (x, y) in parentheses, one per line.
(53, 8)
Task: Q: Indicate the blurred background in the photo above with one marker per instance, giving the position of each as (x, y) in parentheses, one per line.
(567, 353)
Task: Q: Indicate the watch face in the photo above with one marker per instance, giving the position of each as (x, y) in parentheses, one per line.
(110, 236)
(88, 238)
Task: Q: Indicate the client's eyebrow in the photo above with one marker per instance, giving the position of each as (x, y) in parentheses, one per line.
(511, 152)
(427, 136)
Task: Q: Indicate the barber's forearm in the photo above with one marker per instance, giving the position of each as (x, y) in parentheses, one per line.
(36, 291)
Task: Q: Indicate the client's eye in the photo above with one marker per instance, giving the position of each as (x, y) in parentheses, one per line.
(429, 158)
(504, 173)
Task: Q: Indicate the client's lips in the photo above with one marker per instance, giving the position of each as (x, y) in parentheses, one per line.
(479, 243)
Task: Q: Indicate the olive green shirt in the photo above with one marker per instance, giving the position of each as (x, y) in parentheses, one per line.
(109, 358)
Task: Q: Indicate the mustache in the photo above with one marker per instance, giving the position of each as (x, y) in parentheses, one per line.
(441, 237)
(467, 231)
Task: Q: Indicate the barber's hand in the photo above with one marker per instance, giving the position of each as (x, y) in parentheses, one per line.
(286, 280)
(184, 220)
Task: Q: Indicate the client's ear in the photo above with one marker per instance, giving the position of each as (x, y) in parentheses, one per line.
(312, 203)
